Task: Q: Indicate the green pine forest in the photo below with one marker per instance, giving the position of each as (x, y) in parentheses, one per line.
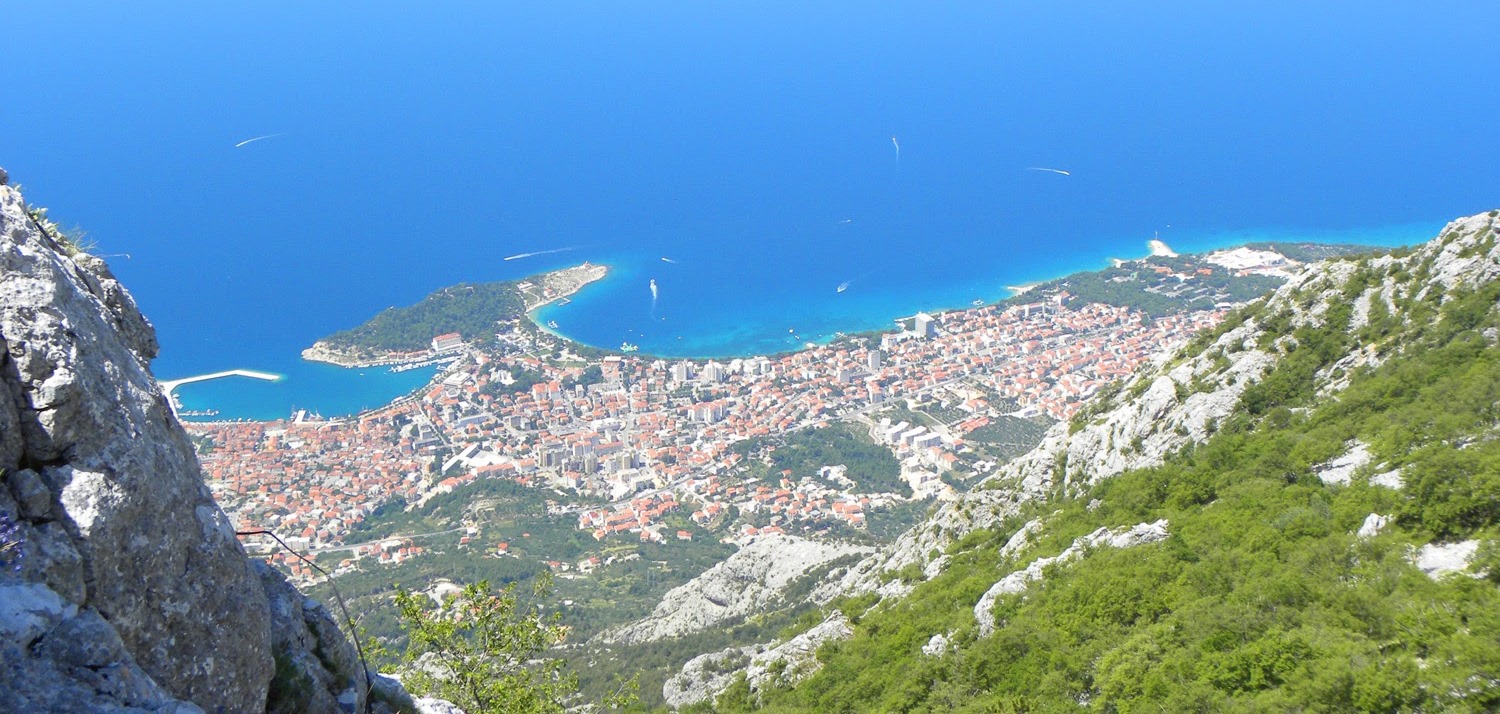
(468, 309)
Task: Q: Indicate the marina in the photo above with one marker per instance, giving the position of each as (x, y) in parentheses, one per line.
(408, 366)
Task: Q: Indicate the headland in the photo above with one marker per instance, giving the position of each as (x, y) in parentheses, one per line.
(436, 328)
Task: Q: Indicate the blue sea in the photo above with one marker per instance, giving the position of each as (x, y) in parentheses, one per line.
(771, 150)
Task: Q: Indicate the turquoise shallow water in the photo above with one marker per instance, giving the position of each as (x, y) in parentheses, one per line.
(416, 146)
(320, 388)
(620, 308)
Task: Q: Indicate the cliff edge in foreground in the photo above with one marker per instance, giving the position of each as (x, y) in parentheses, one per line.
(123, 586)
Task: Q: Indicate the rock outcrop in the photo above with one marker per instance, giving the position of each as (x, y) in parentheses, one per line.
(1018, 581)
(706, 676)
(1439, 559)
(1372, 525)
(125, 587)
(1339, 471)
(744, 583)
(796, 659)
(1186, 395)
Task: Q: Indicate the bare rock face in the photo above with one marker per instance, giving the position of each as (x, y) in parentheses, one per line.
(706, 676)
(796, 659)
(1440, 559)
(60, 658)
(312, 655)
(122, 584)
(1373, 525)
(741, 585)
(128, 530)
(1339, 471)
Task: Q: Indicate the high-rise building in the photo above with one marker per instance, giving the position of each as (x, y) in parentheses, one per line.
(448, 342)
(926, 325)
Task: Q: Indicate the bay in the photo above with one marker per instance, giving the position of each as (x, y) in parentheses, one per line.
(413, 147)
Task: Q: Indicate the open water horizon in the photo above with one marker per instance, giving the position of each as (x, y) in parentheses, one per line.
(413, 147)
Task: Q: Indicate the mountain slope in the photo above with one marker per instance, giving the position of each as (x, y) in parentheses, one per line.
(1323, 466)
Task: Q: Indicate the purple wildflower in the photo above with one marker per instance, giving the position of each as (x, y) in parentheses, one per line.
(12, 542)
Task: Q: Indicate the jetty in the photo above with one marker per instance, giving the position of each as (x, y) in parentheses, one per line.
(168, 385)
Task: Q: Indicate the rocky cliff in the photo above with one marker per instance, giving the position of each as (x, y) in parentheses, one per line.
(746, 583)
(124, 586)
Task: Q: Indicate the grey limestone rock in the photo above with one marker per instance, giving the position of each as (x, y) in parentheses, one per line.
(1440, 559)
(126, 588)
(118, 475)
(1339, 471)
(795, 660)
(1388, 479)
(310, 651)
(706, 676)
(741, 585)
(1373, 525)
(60, 658)
(31, 494)
(936, 645)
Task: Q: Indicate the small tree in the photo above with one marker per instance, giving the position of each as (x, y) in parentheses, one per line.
(480, 648)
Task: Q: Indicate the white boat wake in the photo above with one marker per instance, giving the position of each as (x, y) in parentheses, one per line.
(519, 256)
(258, 138)
(845, 285)
(1043, 168)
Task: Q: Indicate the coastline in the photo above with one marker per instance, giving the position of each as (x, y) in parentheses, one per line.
(537, 302)
(321, 351)
(559, 285)
(535, 291)
(1155, 248)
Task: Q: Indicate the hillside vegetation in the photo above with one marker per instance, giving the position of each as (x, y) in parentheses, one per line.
(470, 309)
(1139, 285)
(1294, 575)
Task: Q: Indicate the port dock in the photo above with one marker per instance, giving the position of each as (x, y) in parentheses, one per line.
(169, 385)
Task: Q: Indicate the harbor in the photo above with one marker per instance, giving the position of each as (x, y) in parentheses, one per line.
(168, 386)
